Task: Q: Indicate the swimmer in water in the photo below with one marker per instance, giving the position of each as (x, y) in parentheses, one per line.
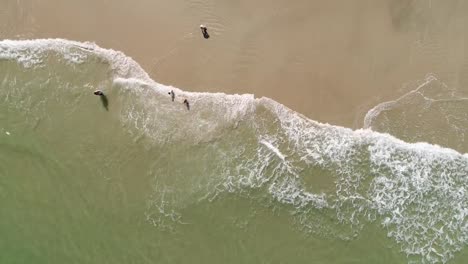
(104, 100)
(98, 92)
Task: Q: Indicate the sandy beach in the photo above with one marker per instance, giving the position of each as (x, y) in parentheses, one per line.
(131, 176)
(329, 60)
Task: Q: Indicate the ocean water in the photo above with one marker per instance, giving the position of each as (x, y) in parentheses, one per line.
(431, 111)
(136, 178)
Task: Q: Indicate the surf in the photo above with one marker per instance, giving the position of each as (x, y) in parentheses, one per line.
(235, 145)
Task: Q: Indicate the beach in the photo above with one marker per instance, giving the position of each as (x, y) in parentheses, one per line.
(299, 132)
(331, 61)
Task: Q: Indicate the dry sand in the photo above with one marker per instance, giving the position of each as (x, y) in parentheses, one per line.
(330, 60)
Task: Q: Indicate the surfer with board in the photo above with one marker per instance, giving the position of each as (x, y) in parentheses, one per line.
(204, 31)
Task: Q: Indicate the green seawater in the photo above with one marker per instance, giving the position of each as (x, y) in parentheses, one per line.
(136, 178)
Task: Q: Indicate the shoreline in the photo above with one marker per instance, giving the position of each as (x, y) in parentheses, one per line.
(331, 62)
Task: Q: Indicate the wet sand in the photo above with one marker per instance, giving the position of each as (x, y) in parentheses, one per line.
(329, 60)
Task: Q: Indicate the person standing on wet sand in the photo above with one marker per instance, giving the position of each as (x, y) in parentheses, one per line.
(172, 94)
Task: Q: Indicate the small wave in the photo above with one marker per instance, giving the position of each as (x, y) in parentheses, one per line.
(373, 113)
(432, 112)
(272, 148)
(417, 192)
(31, 53)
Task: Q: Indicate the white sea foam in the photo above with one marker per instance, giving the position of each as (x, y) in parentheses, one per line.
(376, 110)
(418, 192)
(209, 115)
(432, 112)
(274, 149)
(31, 53)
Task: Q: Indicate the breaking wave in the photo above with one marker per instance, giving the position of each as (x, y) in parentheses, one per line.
(258, 148)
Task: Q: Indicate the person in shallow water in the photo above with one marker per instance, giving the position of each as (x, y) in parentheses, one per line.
(99, 93)
(104, 101)
(172, 94)
(204, 31)
(186, 103)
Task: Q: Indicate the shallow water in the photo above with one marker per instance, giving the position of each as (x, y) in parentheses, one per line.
(431, 112)
(233, 180)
